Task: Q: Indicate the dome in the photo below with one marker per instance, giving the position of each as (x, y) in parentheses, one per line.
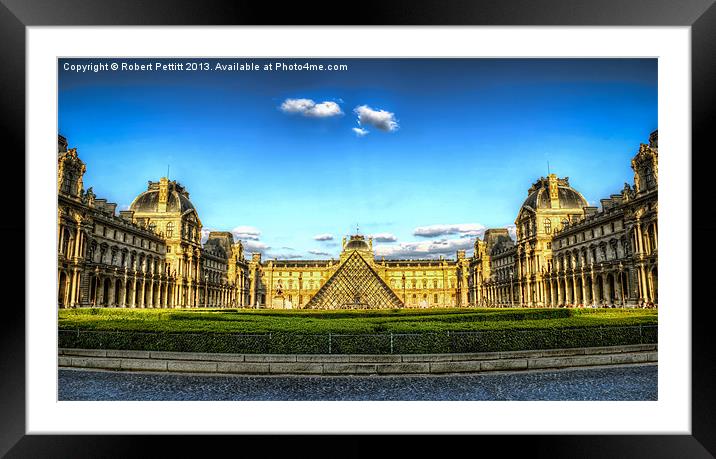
(357, 242)
(568, 197)
(177, 199)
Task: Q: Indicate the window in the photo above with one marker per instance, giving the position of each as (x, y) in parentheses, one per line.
(547, 226)
(612, 227)
(66, 184)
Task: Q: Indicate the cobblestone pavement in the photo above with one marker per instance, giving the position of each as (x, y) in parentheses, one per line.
(632, 382)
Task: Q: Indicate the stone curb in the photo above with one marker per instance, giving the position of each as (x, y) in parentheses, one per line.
(257, 364)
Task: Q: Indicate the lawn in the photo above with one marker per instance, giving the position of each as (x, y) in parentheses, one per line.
(346, 322)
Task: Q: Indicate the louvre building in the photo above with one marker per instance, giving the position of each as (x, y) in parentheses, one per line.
(567, 254)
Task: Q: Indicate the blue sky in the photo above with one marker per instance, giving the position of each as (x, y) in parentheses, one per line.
(422, 153)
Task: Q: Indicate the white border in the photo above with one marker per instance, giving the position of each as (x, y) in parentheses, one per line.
(670, 414)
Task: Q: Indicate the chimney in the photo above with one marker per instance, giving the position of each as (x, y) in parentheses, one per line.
(589, 211)
(61, 144)
(553, 191)
(126, 214)
(163, 194)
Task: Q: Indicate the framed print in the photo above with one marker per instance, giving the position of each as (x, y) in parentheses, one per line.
(398, 71)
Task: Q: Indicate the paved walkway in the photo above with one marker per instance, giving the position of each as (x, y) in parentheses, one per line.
(626, 382)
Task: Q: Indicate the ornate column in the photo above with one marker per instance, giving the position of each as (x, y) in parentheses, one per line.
(559, 291)
(150, 300)
(159, 293)
(123, 293)
(142, 292)
(643, 291)
(189, 283)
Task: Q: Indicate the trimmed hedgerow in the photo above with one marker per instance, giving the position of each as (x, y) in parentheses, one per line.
(384, 343)
(350, 332)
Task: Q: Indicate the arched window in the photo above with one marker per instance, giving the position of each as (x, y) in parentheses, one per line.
(547, 226)
(170, 229)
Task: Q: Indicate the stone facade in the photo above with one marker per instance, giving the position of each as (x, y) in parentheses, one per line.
(149, 256)
(566, 254)
(416, 283)
(569, 254)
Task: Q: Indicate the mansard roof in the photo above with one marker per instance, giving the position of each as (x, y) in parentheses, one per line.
(177, 199)
(569, 198)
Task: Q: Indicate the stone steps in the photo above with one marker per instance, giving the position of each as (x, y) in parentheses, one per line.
(344, 364)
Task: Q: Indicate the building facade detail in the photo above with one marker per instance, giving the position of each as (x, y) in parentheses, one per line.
(566, 254)
(569, 254)
(149, 256)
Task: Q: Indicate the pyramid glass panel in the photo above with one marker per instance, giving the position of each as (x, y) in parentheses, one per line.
(355, 285)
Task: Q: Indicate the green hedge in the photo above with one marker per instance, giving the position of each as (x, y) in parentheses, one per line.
(385, 343)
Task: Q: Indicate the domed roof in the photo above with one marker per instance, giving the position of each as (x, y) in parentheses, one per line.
(177, 199)
(357, 242)
(568, 197)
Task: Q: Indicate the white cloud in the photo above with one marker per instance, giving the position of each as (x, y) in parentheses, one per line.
(383, 237)
(244, 233)
(512, 231)
(424, 249)
(379, 119)
(310, 108)
(283, 256)
(360, 132)
(255, 246)
(205, 234)
(463, 229)
(323, 237)
(319, 253)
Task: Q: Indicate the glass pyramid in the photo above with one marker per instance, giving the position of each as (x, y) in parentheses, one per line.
(355, 285)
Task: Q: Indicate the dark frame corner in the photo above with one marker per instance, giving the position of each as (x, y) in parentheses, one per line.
(700, 15)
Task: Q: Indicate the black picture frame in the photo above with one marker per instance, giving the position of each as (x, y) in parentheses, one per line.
(16, 15)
